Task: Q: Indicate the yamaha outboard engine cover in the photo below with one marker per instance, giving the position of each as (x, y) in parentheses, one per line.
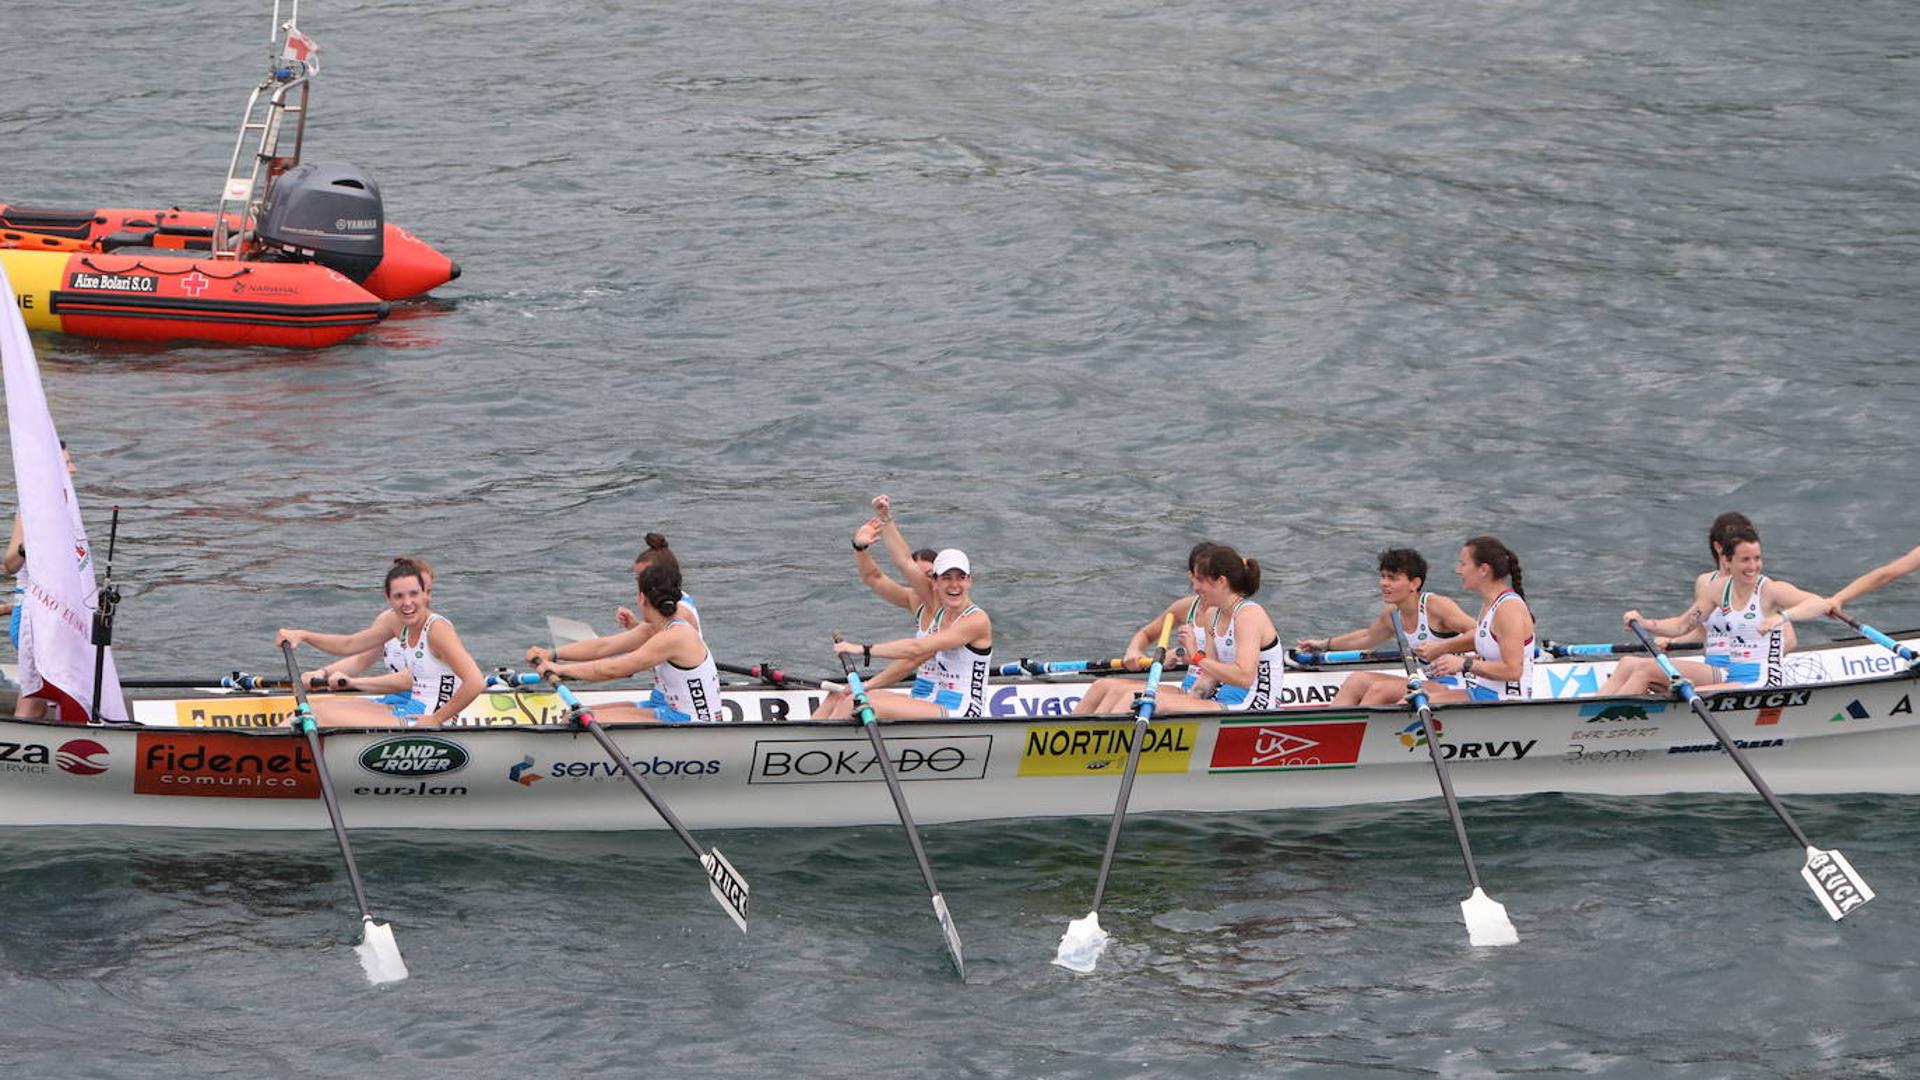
(328, 212)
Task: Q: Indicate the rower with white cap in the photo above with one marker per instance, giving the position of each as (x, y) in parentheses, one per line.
(952, 644)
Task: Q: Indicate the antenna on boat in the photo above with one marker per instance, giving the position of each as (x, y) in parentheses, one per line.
(109, 598)
(295, 61)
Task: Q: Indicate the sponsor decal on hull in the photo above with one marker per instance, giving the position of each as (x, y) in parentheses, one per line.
(843, 761)
(528, 772)
(1742, 701)
(409, 756)
(1255, 746)
(76, 757)
(1716, 748)
(225, 766)
(1101, 749)
(233, 712)
(1414, 738)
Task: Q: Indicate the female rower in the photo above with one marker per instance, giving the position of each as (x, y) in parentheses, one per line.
(1496, 663)
(1425, 615)
(636, 634)
(952, 648)
(442, 675)
(1721, 551)
(1232, 672)
(1745, 618)
(686, 685)
(1115, 693)
(342, 674)
(656, 551)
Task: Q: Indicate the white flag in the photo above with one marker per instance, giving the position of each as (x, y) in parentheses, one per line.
(56, 624)
(302, 48)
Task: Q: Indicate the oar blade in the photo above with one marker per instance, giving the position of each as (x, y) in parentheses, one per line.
(380, 954)
(1082, 944)
(727, 886)
(1487, 922)
(952, 935)
(1841, 889)
(566, 631)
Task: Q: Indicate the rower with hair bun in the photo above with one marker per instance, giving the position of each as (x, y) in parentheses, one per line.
(655, 550)
(1495, 663)
(686, 684)
(442, 677)
(393, 683)
(1237, 661)
(1115, 693)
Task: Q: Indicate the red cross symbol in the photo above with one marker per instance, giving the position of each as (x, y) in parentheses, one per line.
(193, 283)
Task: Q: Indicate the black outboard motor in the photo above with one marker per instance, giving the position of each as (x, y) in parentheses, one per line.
(327, 212)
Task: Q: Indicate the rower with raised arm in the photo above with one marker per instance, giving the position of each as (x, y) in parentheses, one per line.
(1237, 659)
(951, 651)
(442, 676)
(1745, 617)
(1114, 693)
(1426, 615)
(686, 684)
(1873, 579)
(1495, 663)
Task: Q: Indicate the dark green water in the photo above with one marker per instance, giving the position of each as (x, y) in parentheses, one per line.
(1078, 285)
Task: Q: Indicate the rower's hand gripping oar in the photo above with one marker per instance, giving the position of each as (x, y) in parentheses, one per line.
(1827, 873)
(1486, 918)
(1084, 941)
(723, 881)
(863, 712)
(379, 953)
(1879, 638)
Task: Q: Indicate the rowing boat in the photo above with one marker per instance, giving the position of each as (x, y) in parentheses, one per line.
(212, 761)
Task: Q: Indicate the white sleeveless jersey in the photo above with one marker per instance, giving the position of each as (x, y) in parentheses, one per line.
(1752, 658)
(434, 682)
(396, 655)
(954, 679)
(1488, 648)
(1267, 672)
(1422, 632)
(686, 695)
(685, 608)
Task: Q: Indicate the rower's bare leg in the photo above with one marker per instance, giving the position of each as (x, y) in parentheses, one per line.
(837, 706)
(894, 705)
(1106, 696)
(1643, 675)
(623, 713)
(30, 708)
(355, 712)
(1362, 687)
(1388, 691)
(1181, 701)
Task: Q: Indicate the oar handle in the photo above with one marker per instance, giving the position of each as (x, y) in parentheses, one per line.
(1877, 637)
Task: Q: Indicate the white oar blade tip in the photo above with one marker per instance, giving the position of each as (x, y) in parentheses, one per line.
(952, 934)
(1840, 888)
(727, 886)
(380, 954)
(1487, 922)
(1082, 944)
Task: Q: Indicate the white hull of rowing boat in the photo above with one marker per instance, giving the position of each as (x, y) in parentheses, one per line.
(1859, 735)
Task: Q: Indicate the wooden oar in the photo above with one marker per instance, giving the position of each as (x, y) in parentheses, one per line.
(723, 881)
(863, 711)
(379, 952)
(1879, 638)
(1486, 918)
(1827, 873)
(1084, 941)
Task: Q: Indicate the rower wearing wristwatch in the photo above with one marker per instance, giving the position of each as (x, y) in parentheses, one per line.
(1496, 663)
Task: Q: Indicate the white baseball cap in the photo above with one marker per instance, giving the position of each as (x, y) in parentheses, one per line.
(951, 559)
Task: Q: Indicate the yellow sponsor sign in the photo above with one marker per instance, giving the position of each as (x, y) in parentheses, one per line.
(1101, 749)
(233, 712)
(500, 710)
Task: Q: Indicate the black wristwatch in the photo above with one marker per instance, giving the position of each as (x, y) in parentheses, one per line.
(858, 546)
(866, 655)
(1466, 664)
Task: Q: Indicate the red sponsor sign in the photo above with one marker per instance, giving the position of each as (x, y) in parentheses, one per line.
(1252, 746)
(1767, 716)
(225, 766)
